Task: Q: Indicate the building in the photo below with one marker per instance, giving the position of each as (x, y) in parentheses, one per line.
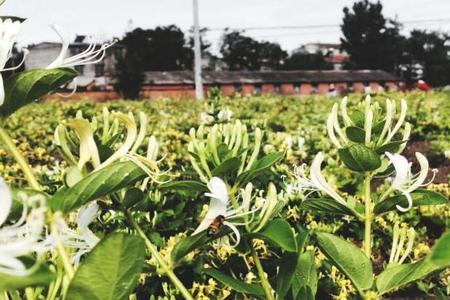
(181, 83)
(332, 52)
(92, 77)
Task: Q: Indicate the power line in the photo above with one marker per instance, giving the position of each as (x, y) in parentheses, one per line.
(316, 26)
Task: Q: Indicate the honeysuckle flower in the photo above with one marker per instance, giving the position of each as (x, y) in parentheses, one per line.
(9, 29)
(398, 242)
(406, 182)
(316, 182)
(225, 115)
(88, 148)
(219, 206)
(83, 239)
(19, 239)
(91, 55)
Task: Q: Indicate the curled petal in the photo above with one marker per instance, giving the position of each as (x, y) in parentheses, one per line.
(235, 231)
(410, 202)
(424, 167)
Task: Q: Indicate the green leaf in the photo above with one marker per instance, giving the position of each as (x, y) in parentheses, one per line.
(260, 166)
(390, 147)
(359, 158)
(25, 87)
(305, 293)
(237, 285)
(39, 276)
(286, 272)
(397, 276)
(326, 205)
(132, 197)
(110, 271)
(227, 167)
(348, 258)
(420, 197)
(440, 254)
(400, 275)
(95, 185)
(358, 117)
(190, 243)
(355, 134)
(186, 185)
(302, 238)
(278, 232)
(305, 273)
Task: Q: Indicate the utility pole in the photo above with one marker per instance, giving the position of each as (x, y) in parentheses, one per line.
(197, 55)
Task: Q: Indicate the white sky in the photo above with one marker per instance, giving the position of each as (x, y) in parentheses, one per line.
(107, 18)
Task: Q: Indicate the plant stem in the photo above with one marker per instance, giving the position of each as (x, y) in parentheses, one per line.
(368, 217)
(264, 282)
(161, 261)
(21, 161)
(62, 253)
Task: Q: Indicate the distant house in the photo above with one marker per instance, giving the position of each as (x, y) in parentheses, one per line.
(333, 53)
(92, 77)
(181, 83)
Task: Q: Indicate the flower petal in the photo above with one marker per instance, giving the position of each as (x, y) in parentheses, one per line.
(402, 170)
(5, 201)
(319, 181)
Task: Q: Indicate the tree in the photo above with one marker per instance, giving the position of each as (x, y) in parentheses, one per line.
(429, 50)
(166, 49)
(307, 61)
(372, 41)
(240, 52)
(129, 72)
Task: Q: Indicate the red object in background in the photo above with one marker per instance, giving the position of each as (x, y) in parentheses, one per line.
(422, 85)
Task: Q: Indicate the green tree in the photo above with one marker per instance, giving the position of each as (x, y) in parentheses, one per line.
(166, 49)
(372, 40)
(240, 52)
(129, 74)
(430, 51)
(307, 61)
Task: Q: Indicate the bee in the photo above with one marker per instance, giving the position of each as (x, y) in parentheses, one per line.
(215, 225)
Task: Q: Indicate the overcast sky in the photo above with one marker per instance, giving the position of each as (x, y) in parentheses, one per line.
(107, 18)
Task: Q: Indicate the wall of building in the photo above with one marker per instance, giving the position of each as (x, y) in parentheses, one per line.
(188, 91)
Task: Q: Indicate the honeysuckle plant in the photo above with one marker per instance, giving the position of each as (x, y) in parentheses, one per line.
(370, 140)
(244, 208)
(103, 169)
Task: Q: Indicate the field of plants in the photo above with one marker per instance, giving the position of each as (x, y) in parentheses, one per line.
(232, 198)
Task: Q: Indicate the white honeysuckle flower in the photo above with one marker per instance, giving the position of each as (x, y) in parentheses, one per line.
(83, 240)
(22, 238)
(316, 182)
(219, 206)
(330, 130)
(390, 111)
(88, 147)
(404, 181)
(225, 115)
(143, 121)
(368, 125)
(401, 119)
(9, 29)
(91, 55)
(130, 139)
(400, 235)
(345, 117)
